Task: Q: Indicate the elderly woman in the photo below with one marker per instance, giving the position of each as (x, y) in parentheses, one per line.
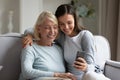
(44, 58)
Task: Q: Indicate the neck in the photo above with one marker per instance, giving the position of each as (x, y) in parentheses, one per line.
(73, 34)
(44, 43)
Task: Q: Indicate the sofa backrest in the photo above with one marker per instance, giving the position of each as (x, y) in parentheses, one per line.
(103, 52)
(11, 46)
(10, 50)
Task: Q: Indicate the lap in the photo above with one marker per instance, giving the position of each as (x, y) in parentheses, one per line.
(90, 75)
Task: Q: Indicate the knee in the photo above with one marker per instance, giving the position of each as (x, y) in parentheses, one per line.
(89, 76)
(94, 76)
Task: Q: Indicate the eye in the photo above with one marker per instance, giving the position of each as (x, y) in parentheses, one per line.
(69, 22)
(55, 27)
(61, 24)
(46, 27)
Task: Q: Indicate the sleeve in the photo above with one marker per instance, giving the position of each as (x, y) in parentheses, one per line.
(27, 62)
(29, 31)
(88, 45)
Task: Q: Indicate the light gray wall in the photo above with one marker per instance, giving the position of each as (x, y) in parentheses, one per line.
(27, 11)
(30, 9)
(53, 4)
(5, 7)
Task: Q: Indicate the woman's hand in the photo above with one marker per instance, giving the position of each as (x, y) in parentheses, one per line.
(80, 64)
(65, 75)
(27, 40)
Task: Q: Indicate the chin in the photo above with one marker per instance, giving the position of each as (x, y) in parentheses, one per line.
(51, 40)
(67, 34)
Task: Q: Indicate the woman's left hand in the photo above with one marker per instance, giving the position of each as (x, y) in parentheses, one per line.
(80, 64)
(65, 75)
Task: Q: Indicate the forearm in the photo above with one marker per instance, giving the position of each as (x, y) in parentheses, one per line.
(88, 45)
(34, 73)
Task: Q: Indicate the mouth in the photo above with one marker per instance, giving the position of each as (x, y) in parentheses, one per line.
(66, 30)
(52, 36)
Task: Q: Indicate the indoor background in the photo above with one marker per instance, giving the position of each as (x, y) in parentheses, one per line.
(18, 15)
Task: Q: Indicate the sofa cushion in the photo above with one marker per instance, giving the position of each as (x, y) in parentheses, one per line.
(10, 50)
(102, 50)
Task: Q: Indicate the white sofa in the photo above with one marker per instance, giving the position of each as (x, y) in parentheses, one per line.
(10, 50)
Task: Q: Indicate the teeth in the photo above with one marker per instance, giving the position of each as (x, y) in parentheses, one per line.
(51, 36)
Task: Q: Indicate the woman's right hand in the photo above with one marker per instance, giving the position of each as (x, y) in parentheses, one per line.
(65, 75)
(27, 40)
(80, 64)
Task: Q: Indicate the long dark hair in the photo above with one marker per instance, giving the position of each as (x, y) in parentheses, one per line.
(69, 9)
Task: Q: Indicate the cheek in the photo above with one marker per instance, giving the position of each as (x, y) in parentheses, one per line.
(72, 26)
(40, 30)
(57, 31)
(61, 28)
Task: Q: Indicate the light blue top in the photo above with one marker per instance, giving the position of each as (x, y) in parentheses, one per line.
(41, 61)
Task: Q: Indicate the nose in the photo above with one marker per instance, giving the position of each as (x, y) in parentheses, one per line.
(52, 30)
(66, 26)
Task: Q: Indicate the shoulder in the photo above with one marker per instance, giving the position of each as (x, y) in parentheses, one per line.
(87, 37)
(86, 33)
(29, 49)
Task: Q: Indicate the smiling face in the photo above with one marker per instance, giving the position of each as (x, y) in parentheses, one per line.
(66, 24)
(48, 31)
(46, 28)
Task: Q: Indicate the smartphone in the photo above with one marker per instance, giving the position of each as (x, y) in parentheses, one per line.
(79, 54)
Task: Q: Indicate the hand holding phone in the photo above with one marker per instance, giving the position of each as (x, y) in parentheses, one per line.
(80, 63)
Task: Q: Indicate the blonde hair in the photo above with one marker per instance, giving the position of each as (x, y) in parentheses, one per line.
(41, 19)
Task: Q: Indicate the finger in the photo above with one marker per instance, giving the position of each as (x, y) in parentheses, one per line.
(81, 60)
(71, 76)
(27, 37)
(80, 67)
(30, 44)
(24, 46)
(79, 63)
(24, 40)
(27, 41)
(23, 43)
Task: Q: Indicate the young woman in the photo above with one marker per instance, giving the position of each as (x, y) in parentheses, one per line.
(74, 39)
(44, 58)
